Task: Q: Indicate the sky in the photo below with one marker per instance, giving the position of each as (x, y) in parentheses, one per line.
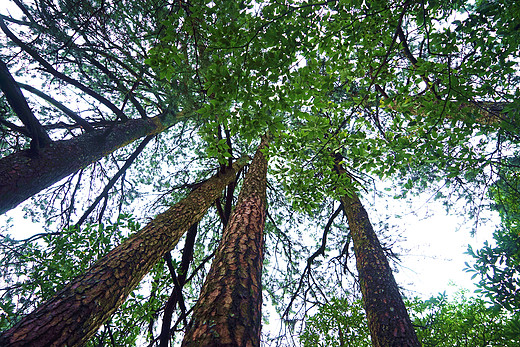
(432, 246)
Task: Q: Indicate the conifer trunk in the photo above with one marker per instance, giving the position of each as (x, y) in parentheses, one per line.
(25, 173)
(228, 312)
(388, 320)
(76, 312)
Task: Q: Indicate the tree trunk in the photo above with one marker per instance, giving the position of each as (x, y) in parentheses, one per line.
(228, 312)
(78, 310)
(388, 320)
(179, 281)
(24, 174)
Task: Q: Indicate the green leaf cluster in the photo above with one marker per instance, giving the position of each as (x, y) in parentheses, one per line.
(497, 263)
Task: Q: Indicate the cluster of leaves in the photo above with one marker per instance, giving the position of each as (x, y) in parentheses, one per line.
(463, 320)
(337, 323)
(498, 265)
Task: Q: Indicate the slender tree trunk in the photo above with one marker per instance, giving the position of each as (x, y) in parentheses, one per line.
(176, 295)
(228, 312)
(388, 320)
(77, 311)
(24, 174)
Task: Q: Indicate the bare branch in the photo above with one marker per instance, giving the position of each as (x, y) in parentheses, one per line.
(18, 103)
(48, 67)
(113, 180)
(310, 260)
(73, 115)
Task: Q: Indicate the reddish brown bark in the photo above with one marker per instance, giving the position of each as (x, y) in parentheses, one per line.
(387, 317)
(228, 312)
(24, 174)
(77, 311)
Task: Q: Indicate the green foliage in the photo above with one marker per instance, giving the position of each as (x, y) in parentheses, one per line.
(439, 321)
(498, 264)
(463, 321)
(34, 269)
(338, 323)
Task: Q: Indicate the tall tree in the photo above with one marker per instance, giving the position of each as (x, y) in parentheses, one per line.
(78, 310)
(396, 87)
(388, 319)
(105, 80)
(387, 316)
(229, 309)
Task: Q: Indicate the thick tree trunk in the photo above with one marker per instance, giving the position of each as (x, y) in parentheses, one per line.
(24, 174)
(228, 312)
(77, 311)
(388, 320)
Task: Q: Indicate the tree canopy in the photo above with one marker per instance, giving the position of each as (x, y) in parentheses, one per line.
(116, 112)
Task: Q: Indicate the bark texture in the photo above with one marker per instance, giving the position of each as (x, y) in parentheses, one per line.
(24, 174)
(228, 312)
(388, 320)
(76, 312)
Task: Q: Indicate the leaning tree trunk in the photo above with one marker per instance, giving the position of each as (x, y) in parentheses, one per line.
(388, 320)
(24, 173)
(228, 312)
(77, 311)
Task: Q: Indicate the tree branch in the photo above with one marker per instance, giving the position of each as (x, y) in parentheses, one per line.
(319, 251)
(73, 115)
(113, 180)
(179, 282)
(18, 103)
(48, 67)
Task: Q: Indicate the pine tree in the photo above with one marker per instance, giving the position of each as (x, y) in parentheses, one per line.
(78, 310)
(229, 309)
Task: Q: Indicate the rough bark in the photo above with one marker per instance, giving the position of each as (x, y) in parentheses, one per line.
(23, 174)
(228, 312)
(77, 311)
(388, 320)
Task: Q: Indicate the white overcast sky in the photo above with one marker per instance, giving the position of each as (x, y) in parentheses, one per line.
(432, 246)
